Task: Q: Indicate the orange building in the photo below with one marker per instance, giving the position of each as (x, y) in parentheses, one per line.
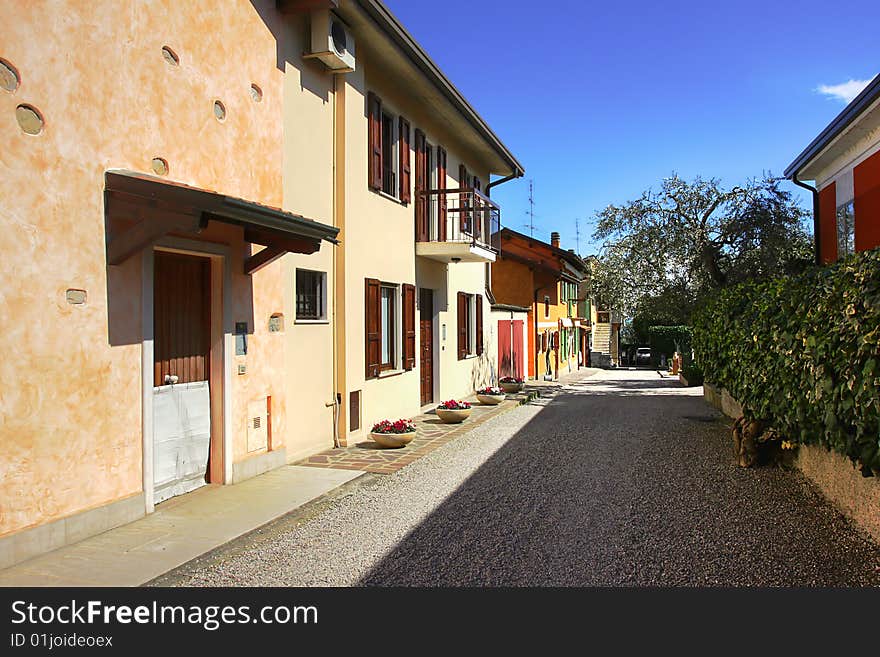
(546, 279)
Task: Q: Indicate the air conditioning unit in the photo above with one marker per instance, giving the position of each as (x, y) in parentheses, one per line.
(332, 42)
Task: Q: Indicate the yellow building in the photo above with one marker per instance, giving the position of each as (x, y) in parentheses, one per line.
(275, 217)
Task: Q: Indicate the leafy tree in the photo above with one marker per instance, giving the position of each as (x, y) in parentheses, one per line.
(668, 249)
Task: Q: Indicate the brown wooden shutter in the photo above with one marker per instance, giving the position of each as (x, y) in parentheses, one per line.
(409, 326)
(441, 184)
(422, 233)
(479, 321)
(374, 111)
(463, 215)
(373, 327)
(462, 325)
(405, 178)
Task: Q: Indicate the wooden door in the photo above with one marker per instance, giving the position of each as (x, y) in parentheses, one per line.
(181, 318)
(426, 358)
(505, 352)
(517, 348)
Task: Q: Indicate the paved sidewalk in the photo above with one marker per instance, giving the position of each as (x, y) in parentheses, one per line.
(181, 529)
(431, 432)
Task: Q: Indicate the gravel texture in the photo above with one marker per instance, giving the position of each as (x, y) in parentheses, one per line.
(622, 479)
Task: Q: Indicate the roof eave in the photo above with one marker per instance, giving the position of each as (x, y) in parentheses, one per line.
(834, 129)
(392, 27)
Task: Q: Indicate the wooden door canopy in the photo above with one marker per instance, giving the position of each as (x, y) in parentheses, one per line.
(141, 210)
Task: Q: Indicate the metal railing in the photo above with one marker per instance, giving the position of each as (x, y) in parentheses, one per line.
(457, 215)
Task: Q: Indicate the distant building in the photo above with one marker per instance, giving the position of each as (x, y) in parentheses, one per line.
(548, 281)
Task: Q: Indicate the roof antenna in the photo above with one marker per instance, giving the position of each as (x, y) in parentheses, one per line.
(577, 236)
(531, 208)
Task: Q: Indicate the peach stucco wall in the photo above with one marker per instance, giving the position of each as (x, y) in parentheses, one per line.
(70, 404)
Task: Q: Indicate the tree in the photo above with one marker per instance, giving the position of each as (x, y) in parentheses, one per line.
(678, 244)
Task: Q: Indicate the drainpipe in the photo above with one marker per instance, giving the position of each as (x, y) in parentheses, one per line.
(815, 193)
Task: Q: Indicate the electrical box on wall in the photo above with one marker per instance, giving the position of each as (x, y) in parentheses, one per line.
(258, 425)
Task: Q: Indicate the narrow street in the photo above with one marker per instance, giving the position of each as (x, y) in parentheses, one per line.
(623, 478)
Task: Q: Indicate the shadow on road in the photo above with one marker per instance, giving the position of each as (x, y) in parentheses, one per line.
(627, 481)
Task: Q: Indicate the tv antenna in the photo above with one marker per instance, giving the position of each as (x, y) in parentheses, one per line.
(577, 236)
(531, 210)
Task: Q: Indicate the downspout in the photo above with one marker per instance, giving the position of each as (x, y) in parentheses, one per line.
(489, 186)
(816, 238)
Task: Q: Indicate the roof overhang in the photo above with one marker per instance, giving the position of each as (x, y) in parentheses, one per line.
(858, 118)
(422, 69)
(142, 209)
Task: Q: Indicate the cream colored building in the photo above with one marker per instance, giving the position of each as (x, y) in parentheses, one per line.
(191, 222)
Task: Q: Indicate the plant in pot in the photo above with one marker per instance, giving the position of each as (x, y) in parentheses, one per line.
(453, 411)
(511, 383)
(490, 395)
(393, 434)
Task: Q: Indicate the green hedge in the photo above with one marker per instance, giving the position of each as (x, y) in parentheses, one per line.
(804, 354)
(663, 340)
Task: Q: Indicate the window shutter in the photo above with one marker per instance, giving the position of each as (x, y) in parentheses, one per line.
(373, 327)
(421, 185)
(374, 111)
(479, 321)
(463, 215)
(409, 327)
(405, 181)
(441, 184)
(462, 325)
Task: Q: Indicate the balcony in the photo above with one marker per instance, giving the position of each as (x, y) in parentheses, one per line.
(456, 225)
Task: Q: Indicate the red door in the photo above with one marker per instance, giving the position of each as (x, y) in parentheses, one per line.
(510, 347)
(505, 351)
(517, 350)
(426, 352)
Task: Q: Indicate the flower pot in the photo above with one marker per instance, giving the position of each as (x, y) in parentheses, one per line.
(511, 387)
(392, 439)
(450, 416)
(490, 400)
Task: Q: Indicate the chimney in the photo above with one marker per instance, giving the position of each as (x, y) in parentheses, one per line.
(554, 239)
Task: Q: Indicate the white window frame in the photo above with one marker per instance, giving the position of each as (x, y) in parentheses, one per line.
(846, 240)
(324, 319)
(396, 330)
(472, 325)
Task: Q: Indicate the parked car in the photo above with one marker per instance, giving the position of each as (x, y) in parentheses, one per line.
(643, 357)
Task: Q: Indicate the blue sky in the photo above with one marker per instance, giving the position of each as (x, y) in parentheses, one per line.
(601, 100)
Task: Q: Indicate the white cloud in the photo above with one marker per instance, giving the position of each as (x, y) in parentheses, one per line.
(845, 91)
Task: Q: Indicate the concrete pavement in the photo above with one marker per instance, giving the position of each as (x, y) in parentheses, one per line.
(180, 530)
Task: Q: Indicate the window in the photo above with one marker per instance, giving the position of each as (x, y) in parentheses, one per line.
(389, 151)
(546, 307)
(387, 317)
(846, 234)
(470, 325)
(389, 159)
(311, 295)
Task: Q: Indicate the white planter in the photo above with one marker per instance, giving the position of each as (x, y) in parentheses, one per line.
(490, 400)
(511, 387)
(392, 439)
(453, 416)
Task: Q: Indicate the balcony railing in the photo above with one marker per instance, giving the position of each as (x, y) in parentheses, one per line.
(463, 215)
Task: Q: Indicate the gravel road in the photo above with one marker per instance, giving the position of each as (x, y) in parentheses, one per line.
(621, 479)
